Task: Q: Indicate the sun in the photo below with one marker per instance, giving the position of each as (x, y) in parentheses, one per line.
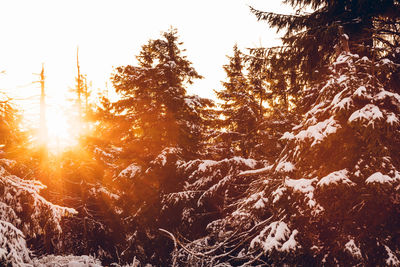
(59, 131)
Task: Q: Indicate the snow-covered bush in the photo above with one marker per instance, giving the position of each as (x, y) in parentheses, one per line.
(209, 186)
(96, 229)
(141, 187)
(25, 214)
(332, 196)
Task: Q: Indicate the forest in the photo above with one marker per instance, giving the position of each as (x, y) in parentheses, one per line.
(296, 163)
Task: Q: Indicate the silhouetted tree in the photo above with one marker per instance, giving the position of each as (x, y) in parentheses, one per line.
(308, 43)
(240, 110)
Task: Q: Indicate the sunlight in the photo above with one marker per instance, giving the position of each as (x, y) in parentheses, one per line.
(59, 131)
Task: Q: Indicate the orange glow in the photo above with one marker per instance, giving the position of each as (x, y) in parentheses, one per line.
(60, 131)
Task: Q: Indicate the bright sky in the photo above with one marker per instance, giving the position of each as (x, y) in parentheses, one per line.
(110, 33)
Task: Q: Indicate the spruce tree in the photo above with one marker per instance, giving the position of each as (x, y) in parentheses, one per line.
(158, 125)
(154, 97)
(240, 110)
(13, 140)
(29, 223)
(332, 195)
(277, 96)
(309, 37)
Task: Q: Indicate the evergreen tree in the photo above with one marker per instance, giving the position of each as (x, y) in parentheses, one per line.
(137, 141)
(154, 98)
(372, 26)
(332, 195)
(268, 83)
(13, 140)
(240, 110)
(28, 223)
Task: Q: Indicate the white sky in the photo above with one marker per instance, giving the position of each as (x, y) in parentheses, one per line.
(110, 33)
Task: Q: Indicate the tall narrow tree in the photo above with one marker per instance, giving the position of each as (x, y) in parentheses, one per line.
(240, 109)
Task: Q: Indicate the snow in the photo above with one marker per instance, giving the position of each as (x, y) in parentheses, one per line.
(256, 172)
(386, 94)
(206, 164)
(193, 101)
(316, 109)
(301, 185)
(345, 103)
(22, 196)
(181, 196)
(101, 189)
(378, 177)
(103, 153)
(342, 78)
(353, 249)
(13, 248)
(260, 203)
(251, 163)
(66, 261)
(319, 131)
(131, 171)
(386, 61)
(285, 167)
(276, 236)
(9, 163)
(288, 136)
(339, 103)
(392, 260)
(342, 58)
(162, 158)
(392, 119)
(335, 178)
(361, 91)
(369, 113)
(291, 243)
(277, 194)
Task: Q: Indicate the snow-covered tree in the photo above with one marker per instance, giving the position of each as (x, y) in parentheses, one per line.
(81, 179)
(209, 186)
(332, 196)
(26, 218)
(154, 99)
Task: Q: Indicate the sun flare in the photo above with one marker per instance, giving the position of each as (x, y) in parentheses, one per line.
(59, 131)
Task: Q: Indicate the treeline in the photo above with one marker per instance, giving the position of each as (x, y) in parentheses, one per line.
(299, 163)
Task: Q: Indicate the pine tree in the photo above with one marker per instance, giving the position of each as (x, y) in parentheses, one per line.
(240, 110)
(308, 39)
(28, 222)
(12, 138)
(154, 97)
(332, 195)
(153, 125)
(269, 84)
